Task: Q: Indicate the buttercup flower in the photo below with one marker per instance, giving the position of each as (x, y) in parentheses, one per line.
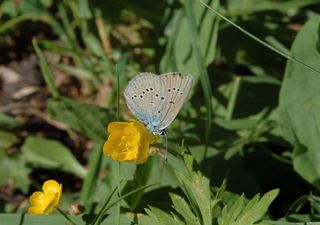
(128, 141)
(43, 202)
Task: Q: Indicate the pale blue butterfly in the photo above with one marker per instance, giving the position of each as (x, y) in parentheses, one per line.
(157, 99)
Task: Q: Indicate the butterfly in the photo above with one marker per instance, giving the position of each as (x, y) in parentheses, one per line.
(157, 99)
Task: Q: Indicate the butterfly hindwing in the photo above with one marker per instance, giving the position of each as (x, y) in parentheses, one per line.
(177, 89)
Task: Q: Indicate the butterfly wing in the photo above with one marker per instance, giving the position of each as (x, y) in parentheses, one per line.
(143, 97)
(176, 91)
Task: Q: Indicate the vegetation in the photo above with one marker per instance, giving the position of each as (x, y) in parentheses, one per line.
(243, 150)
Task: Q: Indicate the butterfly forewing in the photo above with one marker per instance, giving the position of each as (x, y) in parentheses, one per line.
(143, 95)
(156, 100)
(177, 89)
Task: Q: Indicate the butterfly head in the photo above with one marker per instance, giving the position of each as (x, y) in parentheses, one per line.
(155, 130)
(160, 132)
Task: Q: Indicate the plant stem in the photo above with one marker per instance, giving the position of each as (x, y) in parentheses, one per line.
(285, 55)
(65, 216)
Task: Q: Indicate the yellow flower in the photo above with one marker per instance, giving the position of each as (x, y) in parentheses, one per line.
(128, 141)
(43, 202)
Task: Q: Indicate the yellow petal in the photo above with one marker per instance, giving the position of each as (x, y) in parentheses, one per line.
(128, 141)
(114, 126)
(36, 198)
(51, 186)
(36, 210)
(39, 202)
(51, 202)
(45, 202)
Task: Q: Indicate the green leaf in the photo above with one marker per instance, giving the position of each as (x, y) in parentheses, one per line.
(55, 219)
(191, 47)
(234, 211)
(299, 219)
(141, 178)
(182, 207)
(239, 7)
(13, 22)
(254, 210)
(51, 154)
(7, 139)
(8, 122)
(179, 55)
(9, 8)
(25, 219)
(14, 169)
(46, 71)
(81, 73)
(196, 188)
(160, 217)
(93, 43)
(92, 178)
(90, 120)
(84, 10)
(300, 103)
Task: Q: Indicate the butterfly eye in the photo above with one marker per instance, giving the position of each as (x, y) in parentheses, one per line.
(147, 89)
(157, 95)
(151, 89)
(162, 98)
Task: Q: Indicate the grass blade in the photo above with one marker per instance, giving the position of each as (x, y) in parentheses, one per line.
(285, 55)
(204, 77)
(46, 71)
(90, 181)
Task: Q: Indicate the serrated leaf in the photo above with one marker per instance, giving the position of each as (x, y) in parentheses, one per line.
(261, 208)
(51, 154)
(162, 217)
(235, 210)
(197, 190)
(182, 207)
(147, 220)
(252, 203)
(254, 210)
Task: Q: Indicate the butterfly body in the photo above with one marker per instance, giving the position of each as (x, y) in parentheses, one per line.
(157, 99)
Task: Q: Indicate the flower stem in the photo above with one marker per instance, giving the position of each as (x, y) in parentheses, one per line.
(119, 194)
(65, 216)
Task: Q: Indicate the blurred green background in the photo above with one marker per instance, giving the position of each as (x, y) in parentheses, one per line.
(252, 118)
